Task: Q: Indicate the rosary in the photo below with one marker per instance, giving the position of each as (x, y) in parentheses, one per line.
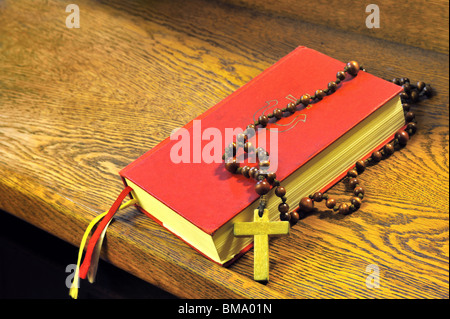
(261, 227)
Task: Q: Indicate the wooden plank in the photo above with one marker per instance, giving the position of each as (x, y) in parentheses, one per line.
(77, 105)
(414, 23)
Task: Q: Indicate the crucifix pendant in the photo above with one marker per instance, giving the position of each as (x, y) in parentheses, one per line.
(261, 228)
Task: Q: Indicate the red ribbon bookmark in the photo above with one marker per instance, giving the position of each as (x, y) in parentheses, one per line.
(93, 240)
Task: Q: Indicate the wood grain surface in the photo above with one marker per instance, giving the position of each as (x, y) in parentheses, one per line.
(413, 22)
(78, 105)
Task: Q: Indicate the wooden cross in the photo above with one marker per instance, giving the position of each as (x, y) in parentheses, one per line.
(261, 228)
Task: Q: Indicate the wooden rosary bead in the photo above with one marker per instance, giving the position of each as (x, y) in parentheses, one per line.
(353, 182)
(409, 116)
(318, 197)
(253, 171)
(352, 173)
(291, 107)
(406, 107)
(320, 94)
(248, 147)
(353, 68)
(277, 113)
(356, 202)
(263, 120)
(265, 163)
(330, 203)
(377, 156)
(407, 88)
(389, 149)
(231, 165)
(358, 190)
(285, 217)
(241, 138)
(295, 217)
(332, 87)
(305, 99)
(414, 96)
(260, 175)
(427, 91)
(262, 187)
(271, 177)
(306, 204)
(250, 131)
(420, 85)
(280, 191)
(404, 80)
(403, 137)
(262, 154)
(344, 209)
(360, 166)
(283, 208)
(231, 150)
(245, 171)
(411, 128)
(404, 97)
(340, 75)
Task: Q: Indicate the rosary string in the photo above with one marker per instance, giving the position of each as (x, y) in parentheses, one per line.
(265, 180)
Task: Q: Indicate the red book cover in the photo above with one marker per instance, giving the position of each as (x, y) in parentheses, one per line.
(205, 193)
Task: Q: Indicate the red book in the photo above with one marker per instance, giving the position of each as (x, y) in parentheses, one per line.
(199, 201)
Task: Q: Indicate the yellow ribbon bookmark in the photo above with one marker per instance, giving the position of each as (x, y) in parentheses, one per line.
(73, 292)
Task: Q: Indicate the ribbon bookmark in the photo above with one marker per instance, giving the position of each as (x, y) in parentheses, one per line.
(92, 272)
(90, 263)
